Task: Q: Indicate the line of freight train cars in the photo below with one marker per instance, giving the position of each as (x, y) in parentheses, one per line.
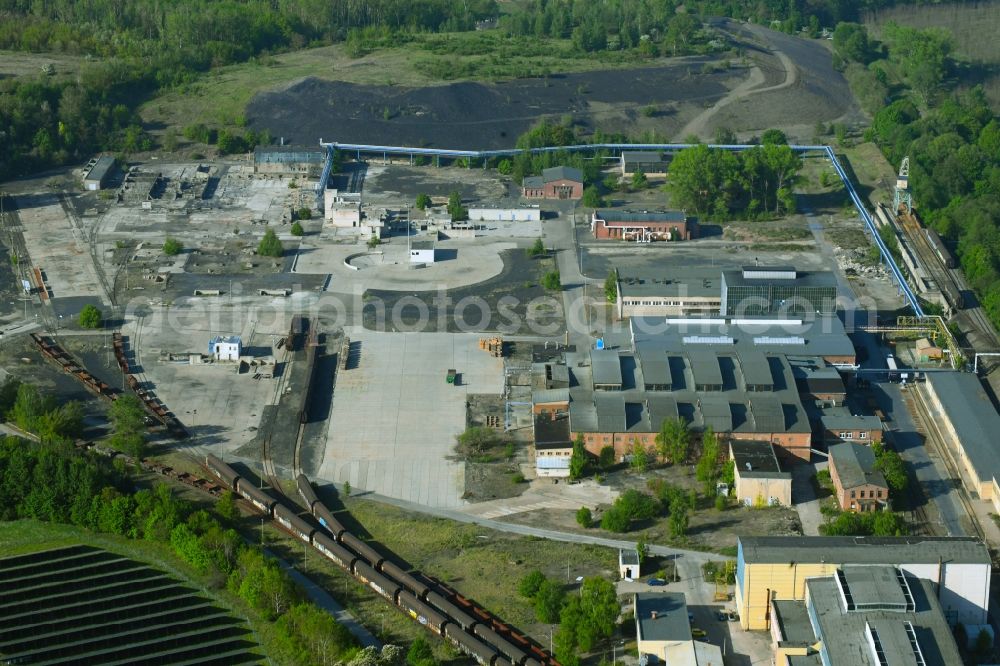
(471, 634)
(948, 287)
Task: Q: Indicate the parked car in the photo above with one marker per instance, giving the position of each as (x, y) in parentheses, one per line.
(697, 633)
(656, 582)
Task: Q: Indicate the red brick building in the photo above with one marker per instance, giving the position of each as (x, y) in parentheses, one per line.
(555, 183)
(857, 484)
(642, 227)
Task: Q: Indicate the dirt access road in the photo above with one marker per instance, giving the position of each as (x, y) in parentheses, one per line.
(793, 86)
(473, 115)
(789, 82)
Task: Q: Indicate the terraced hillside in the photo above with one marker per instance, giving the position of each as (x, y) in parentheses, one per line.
(84, 605)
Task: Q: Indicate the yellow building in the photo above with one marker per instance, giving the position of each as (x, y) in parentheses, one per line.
(777, 568)
(758, 479)
(968, 423)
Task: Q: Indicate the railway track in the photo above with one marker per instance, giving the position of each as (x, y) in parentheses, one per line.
(934, 442)
(440, 609)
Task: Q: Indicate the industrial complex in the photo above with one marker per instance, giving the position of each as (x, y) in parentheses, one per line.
(414, 326)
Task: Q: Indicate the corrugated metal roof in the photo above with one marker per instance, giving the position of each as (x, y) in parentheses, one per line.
(863, 550)
(844, 420)
(606, 367)
(756, 370)
(558, 372)
(716, 412)
(768, 414)
(655, 368)
(583, 414)
(562, 173)
(612, 216)
(660, 407)
(610, 411)
(101, 169)
(705, 368)
(671, 619)
(855, 464)
(973, 416)
(642, 156)
(822, 337)
(550, 395)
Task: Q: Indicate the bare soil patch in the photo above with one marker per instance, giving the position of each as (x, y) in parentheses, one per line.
(471, 115)
(819, 92)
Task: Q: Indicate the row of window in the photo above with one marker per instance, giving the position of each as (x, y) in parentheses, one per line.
(703, 304)
(871, 494)
(850, 435)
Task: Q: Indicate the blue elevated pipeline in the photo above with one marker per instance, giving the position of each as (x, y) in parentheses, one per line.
(359, 148)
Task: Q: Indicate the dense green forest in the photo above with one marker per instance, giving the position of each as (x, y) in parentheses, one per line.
(911, 85)
(139, 47)
(142, 46)
(56, 483)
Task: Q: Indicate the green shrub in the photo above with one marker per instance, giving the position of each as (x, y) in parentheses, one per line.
(270, 245)
(90, 317)
(172, 247)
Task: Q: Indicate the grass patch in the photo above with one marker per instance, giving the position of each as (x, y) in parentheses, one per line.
(823, 483)
(27, 536)
(848, 238)
(220, 97)
(480, 563)
(775, 231)
(876, 177)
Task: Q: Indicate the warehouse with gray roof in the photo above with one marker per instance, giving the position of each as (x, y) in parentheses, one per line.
(968, 422)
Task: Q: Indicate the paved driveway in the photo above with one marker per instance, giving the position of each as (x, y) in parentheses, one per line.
(394, 421)
(804, 497)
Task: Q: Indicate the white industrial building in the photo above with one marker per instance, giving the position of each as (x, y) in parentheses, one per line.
(342, 209)
(422, 252)
(98, 173)
(628, 564)
(225, 348)
(533, 214)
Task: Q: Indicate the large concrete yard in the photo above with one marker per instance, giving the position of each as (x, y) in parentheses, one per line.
(394, 420)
